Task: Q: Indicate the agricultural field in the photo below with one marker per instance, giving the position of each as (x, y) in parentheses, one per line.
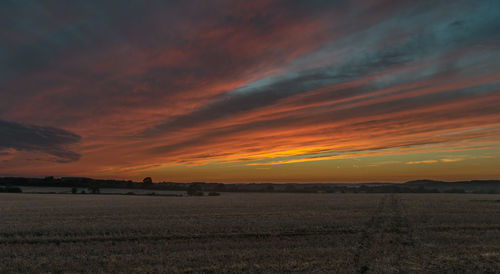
(246, 232)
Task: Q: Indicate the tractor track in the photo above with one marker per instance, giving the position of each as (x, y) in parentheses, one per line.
(387, 235)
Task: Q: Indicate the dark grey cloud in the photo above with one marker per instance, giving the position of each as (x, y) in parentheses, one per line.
(49, 140)
(425, 41)
(51, 37)
(256, 97)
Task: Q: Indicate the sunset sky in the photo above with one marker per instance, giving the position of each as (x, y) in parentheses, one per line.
(251, 91)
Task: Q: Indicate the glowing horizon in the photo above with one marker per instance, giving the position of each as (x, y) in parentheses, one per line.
(266, 91)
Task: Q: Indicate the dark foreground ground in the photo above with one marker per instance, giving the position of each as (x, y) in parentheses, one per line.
(344, 233)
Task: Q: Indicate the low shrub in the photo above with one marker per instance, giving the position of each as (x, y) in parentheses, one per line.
(11, 189)
(194, 190)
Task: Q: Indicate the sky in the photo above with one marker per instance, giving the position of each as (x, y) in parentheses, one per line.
(251, 91)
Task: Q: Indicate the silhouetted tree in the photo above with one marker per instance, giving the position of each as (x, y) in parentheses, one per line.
(220, 187)
(290, 188)
(94, 189)
(194, 190)
(147, 180)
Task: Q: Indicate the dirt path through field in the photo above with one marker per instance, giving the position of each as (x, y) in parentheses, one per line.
(386, 239)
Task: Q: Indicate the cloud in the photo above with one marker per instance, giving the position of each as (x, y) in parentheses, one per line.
(376, 164)
(246, 83)
(362, 57)
(443, 160)
(422, 162)
(49, 140)
(451, 160)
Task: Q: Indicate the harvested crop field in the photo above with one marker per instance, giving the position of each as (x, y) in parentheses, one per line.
(346, 233)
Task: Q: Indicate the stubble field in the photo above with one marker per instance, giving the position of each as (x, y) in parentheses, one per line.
(343, 233)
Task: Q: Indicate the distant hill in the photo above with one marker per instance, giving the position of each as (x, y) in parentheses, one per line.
(415, 186)
(421, 182)
(492, 186)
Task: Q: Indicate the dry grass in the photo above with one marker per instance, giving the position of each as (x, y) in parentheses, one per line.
(346, 233)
